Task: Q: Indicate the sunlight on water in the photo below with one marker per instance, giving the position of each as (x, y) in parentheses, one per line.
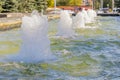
(8, 47)
(9, 42)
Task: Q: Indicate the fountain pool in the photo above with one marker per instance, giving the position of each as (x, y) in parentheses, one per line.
(93, 55)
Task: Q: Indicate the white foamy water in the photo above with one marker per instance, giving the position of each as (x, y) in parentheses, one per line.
(35, 43)
(86, 17)
(65, 25)
(94, 55)
(79, 20)
(92, 14)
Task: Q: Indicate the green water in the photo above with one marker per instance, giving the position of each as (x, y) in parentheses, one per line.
(93, 55)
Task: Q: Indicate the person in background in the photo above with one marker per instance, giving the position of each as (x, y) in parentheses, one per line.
(75, 11)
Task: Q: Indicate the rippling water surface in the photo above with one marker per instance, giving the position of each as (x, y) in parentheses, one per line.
(93, 55)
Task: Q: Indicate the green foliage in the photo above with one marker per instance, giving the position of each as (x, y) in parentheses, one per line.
(7, 6)
(22, 5)
(107, 3)
(29, 5)
(50, 3)
(40, 5)
(1, 3)
(62, 2)
(96, 4)
(117, 3)
(69, 2)
(75, 2)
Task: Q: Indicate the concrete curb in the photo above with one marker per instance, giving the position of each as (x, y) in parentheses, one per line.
(17, 23)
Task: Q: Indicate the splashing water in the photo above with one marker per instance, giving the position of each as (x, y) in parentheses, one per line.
(93, 55)
(92, 14)
(35, 43)
(79, 21)
(65, 25)
(87, 19)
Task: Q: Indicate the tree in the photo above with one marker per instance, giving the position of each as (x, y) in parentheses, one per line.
(8, 6)
(1, 3)
(75, 2)
(69, 2)
(107, 4)
(23, 5)
(62, 2)
(50, 3)
(117, 3)
(40, 5)
(97, 4)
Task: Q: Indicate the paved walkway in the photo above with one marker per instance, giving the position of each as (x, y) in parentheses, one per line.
(10, 22)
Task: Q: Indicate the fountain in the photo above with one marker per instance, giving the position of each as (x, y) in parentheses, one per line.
(95, 14)
(79, 20)
(65, 25)
(93, 55)
(35, 43)
(87, 19)
(92, 14)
